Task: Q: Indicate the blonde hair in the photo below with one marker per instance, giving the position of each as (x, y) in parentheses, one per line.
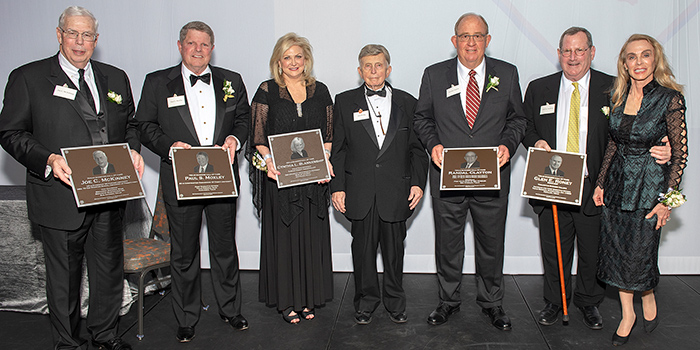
(662, 70)
(283, 44)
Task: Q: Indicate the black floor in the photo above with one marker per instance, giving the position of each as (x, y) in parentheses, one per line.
(678, 300)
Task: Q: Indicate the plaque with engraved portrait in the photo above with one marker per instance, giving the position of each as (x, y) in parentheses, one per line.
(554, 176)
(299, 157)
(203, 172)
(473, 168)
(102, 174)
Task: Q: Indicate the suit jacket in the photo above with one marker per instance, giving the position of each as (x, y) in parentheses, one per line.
(97, 171)
(208, 169)
(544, 126)
(161, 126)
(475, 165)
(441, 120)
(368, 173)
(34, 124)
(548, 171)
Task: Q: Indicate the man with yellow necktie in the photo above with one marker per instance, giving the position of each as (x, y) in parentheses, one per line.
(578, 123)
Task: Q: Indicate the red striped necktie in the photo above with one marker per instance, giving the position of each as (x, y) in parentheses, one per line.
(473, 99)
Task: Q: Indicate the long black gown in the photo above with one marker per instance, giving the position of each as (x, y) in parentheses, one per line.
(295, 250)
(632, 180)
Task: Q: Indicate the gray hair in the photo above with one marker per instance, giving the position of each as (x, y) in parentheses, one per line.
(574, 31)
(196, 25)
(297, 141)
(471, 14)
(98, 152)
(73, 11)
(373, 50)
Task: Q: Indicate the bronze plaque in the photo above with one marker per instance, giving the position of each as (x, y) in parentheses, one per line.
(554, 176)
(102, 174)
(299, 157)
(474, 168)
(203, 172)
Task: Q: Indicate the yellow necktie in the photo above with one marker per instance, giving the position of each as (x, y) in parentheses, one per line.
(572, 139)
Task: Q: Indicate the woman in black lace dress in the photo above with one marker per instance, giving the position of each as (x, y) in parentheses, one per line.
(295, 250)
(647, 104)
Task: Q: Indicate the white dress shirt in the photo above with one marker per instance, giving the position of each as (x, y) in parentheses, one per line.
(201, 102)
(463, 77)
(382, 106)
(89, 76)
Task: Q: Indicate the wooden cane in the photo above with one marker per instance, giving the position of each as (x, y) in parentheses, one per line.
(565, 316)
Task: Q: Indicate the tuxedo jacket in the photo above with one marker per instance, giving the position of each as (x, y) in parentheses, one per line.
(441, 120)
(208, 169)
(475, 165)
(161, 126)
(368, 173)
(544, 126)
(34, 123)
(98, 171)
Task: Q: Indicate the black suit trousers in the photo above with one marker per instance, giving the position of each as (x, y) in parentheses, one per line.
(575, 227)
(367, 234)
(99, 239)
(489, 220)
(185, 220)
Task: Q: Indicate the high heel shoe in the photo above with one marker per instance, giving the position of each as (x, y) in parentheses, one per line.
(619, 340)
(650, 326)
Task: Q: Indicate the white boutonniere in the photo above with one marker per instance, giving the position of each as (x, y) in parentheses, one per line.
(606, 111)
(493, 83)
(228, 90)
(114, 97)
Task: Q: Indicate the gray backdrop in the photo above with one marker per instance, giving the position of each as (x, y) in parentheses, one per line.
(140, 37)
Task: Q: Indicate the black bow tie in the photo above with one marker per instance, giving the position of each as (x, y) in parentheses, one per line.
(205, 78)
(380, 93)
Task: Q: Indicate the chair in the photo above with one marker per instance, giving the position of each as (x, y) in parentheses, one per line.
(144, 255)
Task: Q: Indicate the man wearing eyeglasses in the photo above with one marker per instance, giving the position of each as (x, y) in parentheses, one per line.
(566, 111)
(62, 101)
(470, 101)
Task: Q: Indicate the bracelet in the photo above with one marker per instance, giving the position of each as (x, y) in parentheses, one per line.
(328, 152)
(266, 157)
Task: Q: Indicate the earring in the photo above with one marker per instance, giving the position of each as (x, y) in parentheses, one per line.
(279, 69)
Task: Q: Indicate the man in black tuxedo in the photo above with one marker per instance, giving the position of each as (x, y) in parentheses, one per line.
(548, 106)
(57, 102)
(184, 106)
(380, 169)
(103, 165)
(470, 101)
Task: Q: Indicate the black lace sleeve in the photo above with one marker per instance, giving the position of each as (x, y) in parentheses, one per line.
(677, 137)
(610, 150)
(259, 117)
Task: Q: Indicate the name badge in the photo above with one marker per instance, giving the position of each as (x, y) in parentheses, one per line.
(454, 90)
(547, 109)
(360, 115)
(65, 92)
(176, 101)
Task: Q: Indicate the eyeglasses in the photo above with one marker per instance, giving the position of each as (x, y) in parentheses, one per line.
(579, 52)
(87, 36)
(477, 37)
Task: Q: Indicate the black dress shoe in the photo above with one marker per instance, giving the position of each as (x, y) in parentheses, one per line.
(441, 314)
(650, 326)
(620, 340)
(549, 315)
(185, 334)
(398, 317)
(591, 317)
(237, 322)
(498, 317)
(113, 344)
(363, 317)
